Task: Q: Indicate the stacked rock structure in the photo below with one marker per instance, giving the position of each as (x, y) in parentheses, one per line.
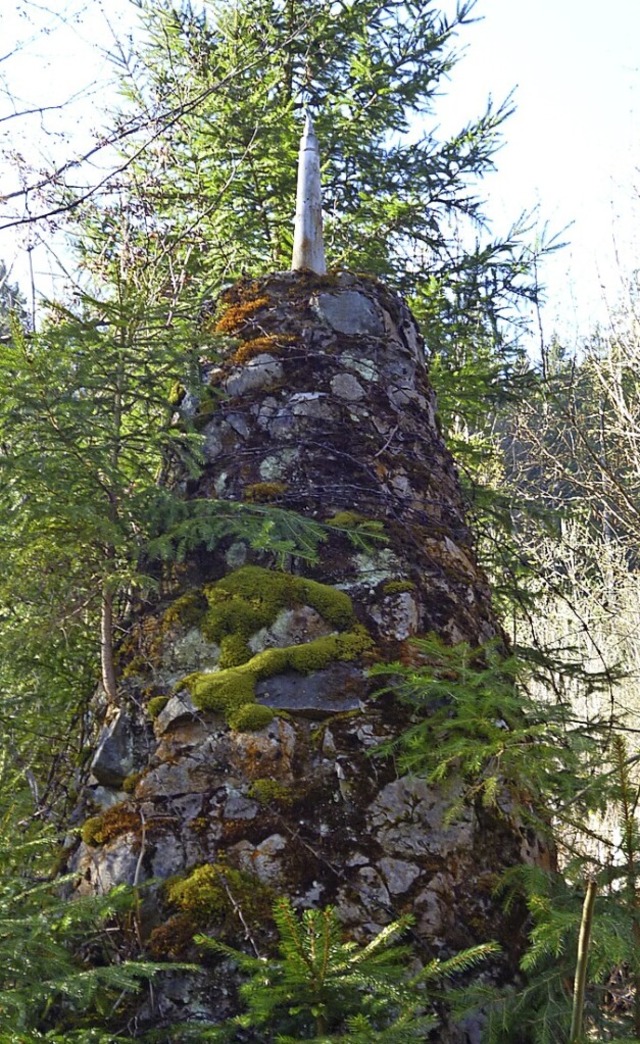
(241, 763)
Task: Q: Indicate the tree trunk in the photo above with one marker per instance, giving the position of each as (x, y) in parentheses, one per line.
(106, 646)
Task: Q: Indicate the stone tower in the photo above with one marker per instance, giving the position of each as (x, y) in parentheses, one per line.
(242, 755)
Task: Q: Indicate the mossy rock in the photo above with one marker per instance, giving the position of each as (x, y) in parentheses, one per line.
(237, 314)
(217, 892)
(243, 603)
(251, 598)
(225, 692)
(267, 791)
(251, 717)
(117, 820)
(187, 610)
(172, 940)
(156, 705)
(201, 894)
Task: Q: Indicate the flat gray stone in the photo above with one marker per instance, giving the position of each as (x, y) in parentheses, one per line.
(187, 776)
(168, 858)
(398, 617)
(115, 864)
(291, 627)
(346, 386)
(190, 652)
(263, 860)
(238, 422)
(260, 374)
(239, 807)
(398, 874)
(326, 692)
(409, 819)
(267, 411)
(187, 807)
(311, 404)
(189, 405)
(349, 312)
(178, 707)
(106, 797)
(275, 466)
(212, 445)
(365, 367)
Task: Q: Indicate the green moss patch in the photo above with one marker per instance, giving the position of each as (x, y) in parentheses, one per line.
(215, 891)
(251, 598)
(187, 610)
(251, 717)
(200, 894)
(234, 650)
(394, 587)
(130, 783)
(360, 525)
(263, 492)
(267, 791)
(346, 519)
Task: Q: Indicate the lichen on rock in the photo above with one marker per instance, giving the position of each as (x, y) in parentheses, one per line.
(256, 761)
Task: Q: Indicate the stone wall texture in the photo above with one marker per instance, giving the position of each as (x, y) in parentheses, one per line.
(240, 757)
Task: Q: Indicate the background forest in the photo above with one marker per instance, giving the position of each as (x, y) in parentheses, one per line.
(201, 191)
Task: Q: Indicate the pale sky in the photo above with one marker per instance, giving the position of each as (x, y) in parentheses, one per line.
(571, 150)
(573, 146)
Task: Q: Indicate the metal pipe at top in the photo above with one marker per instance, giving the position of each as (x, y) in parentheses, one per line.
(308, 246)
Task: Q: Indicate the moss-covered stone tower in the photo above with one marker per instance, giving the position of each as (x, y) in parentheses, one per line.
(239, 765)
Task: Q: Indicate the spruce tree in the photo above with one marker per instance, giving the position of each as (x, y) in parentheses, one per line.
(226, 87)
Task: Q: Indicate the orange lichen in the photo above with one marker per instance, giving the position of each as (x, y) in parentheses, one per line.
(119, 819)
(238, 314)
(271, 345)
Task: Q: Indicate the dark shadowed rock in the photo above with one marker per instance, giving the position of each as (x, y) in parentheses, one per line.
(113, 759)
(332, 691)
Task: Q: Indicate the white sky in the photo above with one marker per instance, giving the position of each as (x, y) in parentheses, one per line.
(571, 149)
(573, 146)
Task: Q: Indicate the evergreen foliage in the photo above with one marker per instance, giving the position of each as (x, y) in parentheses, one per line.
(473, 719)
(62, 976)
(322, 989)
(88, 451)
(12, 302)
(474, 723)
(227, 86)
(238, 77)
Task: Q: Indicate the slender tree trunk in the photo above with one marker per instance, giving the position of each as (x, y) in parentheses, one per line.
(106, 646)
(580, 981)
(629, 802)
(106, 619)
